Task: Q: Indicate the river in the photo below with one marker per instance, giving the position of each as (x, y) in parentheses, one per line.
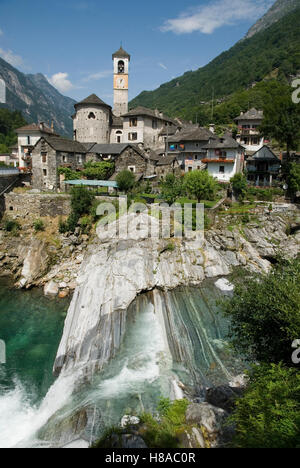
(36, 411)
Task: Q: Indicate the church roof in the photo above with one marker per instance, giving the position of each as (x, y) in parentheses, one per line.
(93, 100)
(121, 53)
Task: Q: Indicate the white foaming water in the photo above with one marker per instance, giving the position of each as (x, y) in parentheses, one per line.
(20, 420)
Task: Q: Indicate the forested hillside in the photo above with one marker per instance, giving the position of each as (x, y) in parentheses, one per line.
(9, 121)
(270, 54)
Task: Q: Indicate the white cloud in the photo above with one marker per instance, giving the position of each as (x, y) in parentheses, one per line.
(98, 76)
(218, 13)
(163, 66)
(10, 57)
(61, 82)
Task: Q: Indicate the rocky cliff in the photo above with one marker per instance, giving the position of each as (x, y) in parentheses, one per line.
(38, 101)
(115, 271)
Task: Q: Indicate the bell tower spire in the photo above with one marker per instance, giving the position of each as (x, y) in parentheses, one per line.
(121, 61)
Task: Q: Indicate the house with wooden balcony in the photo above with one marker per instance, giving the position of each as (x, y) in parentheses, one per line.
(249, 135)
(263, 168)
(225, 157)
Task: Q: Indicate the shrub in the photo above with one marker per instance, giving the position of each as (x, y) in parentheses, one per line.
(63, 226)
(171, 188)
(86, 224)
(265, 314)
(268, 415)
(39, 225)
(201, 185)
(11, 225)
(98, 170)
(125, 181)
(239, 186)
(69, 174)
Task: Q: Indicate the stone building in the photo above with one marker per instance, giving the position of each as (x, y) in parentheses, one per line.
(28, 136)
(92, 120)
(188, 146)
(225, 158)
(48, 155)
(263, 168)
(249, 135)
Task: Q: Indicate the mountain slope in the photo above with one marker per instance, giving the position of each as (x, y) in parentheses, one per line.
(276, 12)
(276, 48)
(34, 96)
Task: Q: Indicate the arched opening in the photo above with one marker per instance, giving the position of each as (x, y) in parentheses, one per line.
(119, 136)
(121, 67)
(92, 115)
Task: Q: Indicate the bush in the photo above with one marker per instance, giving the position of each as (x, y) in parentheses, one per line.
(125, 181)
(265, 314)
(69, 174)
(268, 415)
(98, 170)
(63, 226)
(201, 185)
(11, 225)
(239, 186)
(39, 225)
(171, 188)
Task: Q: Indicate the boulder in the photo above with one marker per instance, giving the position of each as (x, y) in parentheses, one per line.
(51, 289)
(207, 416)
(223, 396)
(129, 421)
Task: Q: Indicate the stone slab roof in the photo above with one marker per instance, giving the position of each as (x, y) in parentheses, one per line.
(144, 111)
(121, 53)
(194, 134)
(265, 154)
(226, 142)
(36, 128)
(92, 100)
(64, 145)
(252, 114)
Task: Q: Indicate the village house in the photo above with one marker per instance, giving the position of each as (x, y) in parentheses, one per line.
(50, 153)
(28, 136)
(188, 146)
(142, 125)
(263, 168)
(224, 158)
(249, 135)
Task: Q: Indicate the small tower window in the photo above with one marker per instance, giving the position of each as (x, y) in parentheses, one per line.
(92, 115)
(121, 67)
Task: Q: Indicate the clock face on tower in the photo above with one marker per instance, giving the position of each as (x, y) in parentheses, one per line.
(121, 82)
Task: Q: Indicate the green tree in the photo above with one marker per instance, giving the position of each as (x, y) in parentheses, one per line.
(98, 170)
(171, 188)
(282, 118)
(201, 185)
(239, 186)
(265, 314)
(268, 415)
(125, 181)
(293, 178)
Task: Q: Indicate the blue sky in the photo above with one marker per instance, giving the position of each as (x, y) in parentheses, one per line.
(72, 41)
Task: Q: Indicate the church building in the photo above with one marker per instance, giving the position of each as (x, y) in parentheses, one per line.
(95, 121)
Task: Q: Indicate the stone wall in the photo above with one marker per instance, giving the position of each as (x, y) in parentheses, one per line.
(37, 205)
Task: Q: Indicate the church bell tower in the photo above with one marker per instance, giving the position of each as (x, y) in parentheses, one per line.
(121, 61)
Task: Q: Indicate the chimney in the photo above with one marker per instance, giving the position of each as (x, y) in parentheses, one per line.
(212, 128)
(42, 126)
(52, 126)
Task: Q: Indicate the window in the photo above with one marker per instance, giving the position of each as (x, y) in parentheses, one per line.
(119, 137)
(91, 115)
(121, 67)
(131, 169)
(222, 170)
(44, 158)
(65, 158)
(196, 157)
(132, 136)
(133, 122)
(154, 124)
(79, 158)
(45, 172)
(28, 140)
